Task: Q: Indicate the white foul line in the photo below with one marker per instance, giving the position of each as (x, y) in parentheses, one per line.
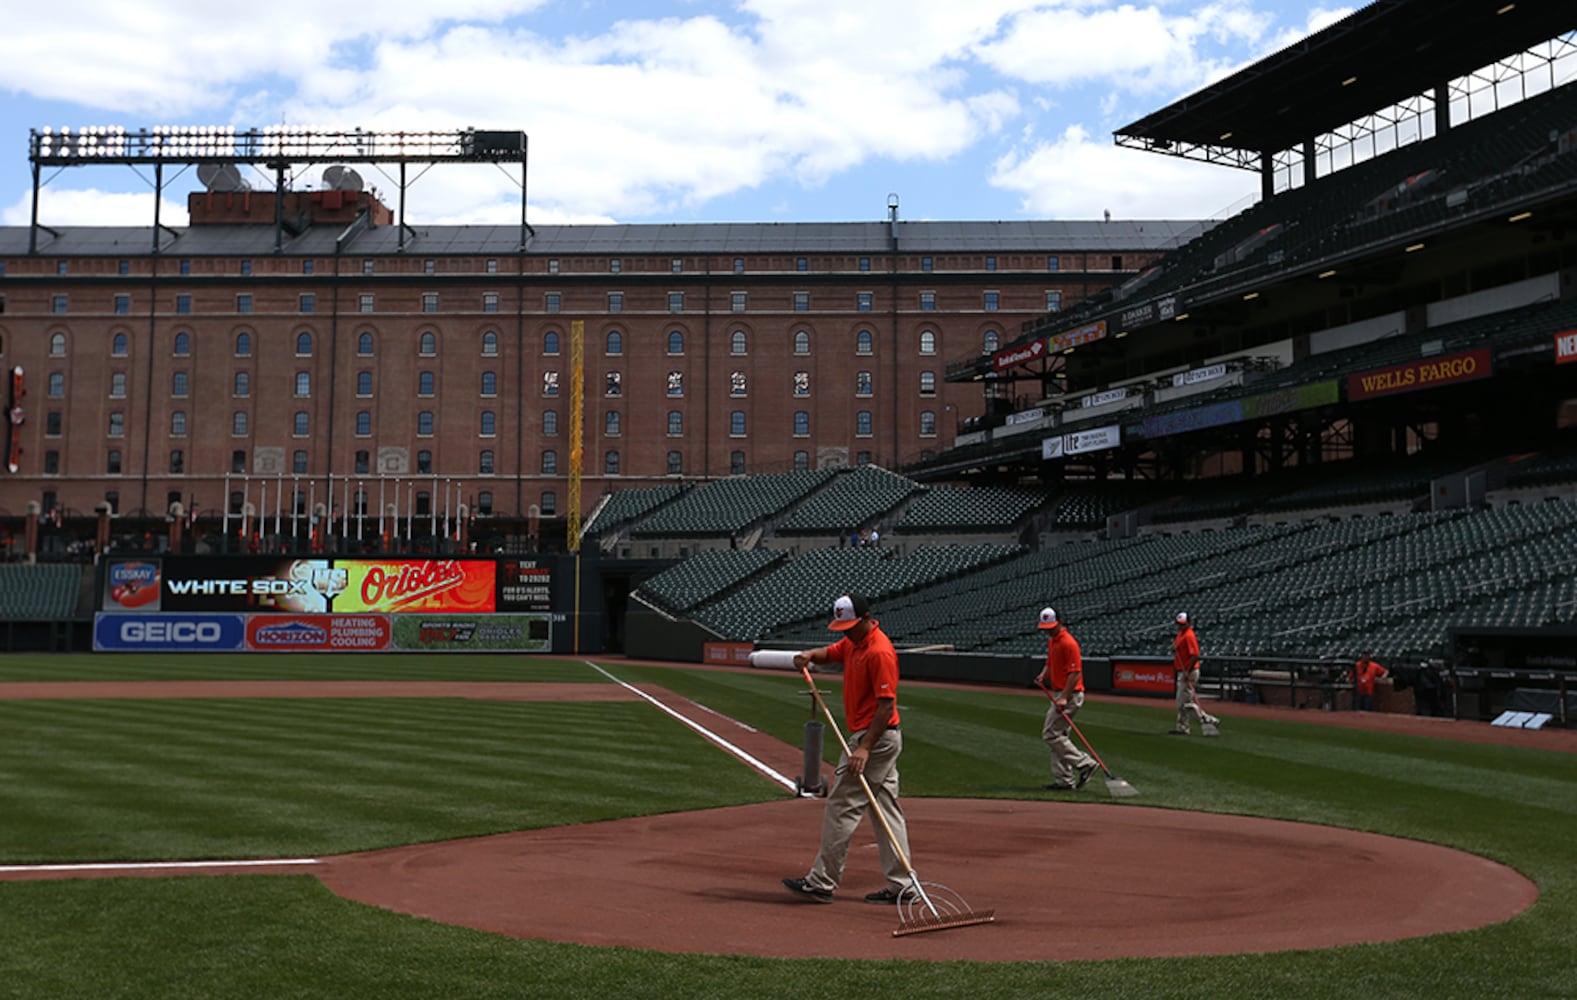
(736, 751)
(114, 866)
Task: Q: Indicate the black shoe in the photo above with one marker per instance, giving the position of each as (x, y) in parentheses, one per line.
(805, 890)
(886, 894)
(1084, 775)
(1178, 732)
(1058, 788)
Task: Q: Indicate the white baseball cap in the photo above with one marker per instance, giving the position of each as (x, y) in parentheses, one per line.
(847, 612)
(1048, 618)
(1182, 618)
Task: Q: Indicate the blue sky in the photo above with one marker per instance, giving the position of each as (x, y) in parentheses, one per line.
(666, 111)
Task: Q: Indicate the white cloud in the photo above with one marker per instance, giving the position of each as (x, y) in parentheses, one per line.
(92, 207)
(1077, 178)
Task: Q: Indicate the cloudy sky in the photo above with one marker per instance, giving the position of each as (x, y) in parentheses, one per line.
(665, 111)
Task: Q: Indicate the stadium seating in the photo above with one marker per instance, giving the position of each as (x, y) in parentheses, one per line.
(624, 506)
(45, 592)
(855, 497)
(704, 577)
(730, 505)
(965, 509)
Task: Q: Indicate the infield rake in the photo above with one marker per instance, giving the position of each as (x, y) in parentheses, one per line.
(922, 906)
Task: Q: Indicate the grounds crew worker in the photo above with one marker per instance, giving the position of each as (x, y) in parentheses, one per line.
(1185, 661)
(1071, 767)
(870, 709)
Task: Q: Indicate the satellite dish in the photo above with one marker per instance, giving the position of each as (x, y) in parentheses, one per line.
(342, 178)
(221, 177)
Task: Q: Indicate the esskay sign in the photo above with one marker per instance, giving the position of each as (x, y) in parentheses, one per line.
(1425, 374)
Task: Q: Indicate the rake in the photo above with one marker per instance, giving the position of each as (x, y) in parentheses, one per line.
(1206, 727)
(922, 906)
(1119, 788)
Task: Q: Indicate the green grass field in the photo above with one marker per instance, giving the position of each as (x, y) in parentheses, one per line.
(204, 778)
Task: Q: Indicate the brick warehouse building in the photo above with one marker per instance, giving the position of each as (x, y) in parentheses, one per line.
(348, 363)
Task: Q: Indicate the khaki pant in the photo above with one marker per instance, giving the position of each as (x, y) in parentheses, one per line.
(847, 802)
(1187, 684)
(1067, 759)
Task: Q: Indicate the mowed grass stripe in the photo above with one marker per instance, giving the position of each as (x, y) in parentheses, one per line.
(215, 778)
(295, 667)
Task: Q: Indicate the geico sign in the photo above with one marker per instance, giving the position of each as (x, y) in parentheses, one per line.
(193, 632)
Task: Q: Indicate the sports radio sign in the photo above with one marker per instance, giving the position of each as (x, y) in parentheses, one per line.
(168, 633)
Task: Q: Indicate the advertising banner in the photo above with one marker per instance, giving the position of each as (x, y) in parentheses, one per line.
(1566, 347)
(1197, 375)
(413, 585)
(321, 633)
(1102, 398)
(131, 585)
(1196, 419)
(1050, 448)
(473, 633)
(524, 585)
(1425, 374)
(1073, 338)
(168, 633)
(1008, 357)
(1099, 439)
(1291, 399)
(248, 583)
(1159, 678)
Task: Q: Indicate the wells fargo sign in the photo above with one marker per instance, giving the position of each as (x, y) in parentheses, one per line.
(1425, 374)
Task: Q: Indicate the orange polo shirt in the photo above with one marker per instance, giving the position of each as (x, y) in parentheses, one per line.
(870, 672)
(1367, 672)
(1063, 659)
(1185, 649)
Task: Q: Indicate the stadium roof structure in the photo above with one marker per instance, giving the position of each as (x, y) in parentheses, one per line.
(1375, 58)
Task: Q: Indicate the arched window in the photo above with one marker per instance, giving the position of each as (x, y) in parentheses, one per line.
(117, 424)
(736, 463)
(364, 383)
(183, 344)
(550, 423)
(550, 502)
(489, 423)
(303, 383)
(675, 463)
(802, 342)
(615, 342)
(424, 423)
(298, 463)
(178, 423)
(862, 383)
(364, 343)
(927, 422)
(736, 343)
(610, 423)
(675, 423)
(243, 345)
(243, 384)
(238, 423)
(550, 342)
(119, 345)
(862, 423)
(927, 341)
(801, 461)
(863, 342)
(550, 463)
(801, 423)
(489, 343)
(484, 502)
(302, 425)
(117, 385)
(304, 344)
(484, 465)
(610, 464)
(363, 422)
(424, 461)
(489, 383)
(57, 384)
(928, 383)
(675, 342)
(737, 383)
(429, 344)
(991, 342)
(425, 381)
(736, 423)
(57, 345)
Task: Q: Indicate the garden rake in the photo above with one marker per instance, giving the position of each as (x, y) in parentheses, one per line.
(1119, 788)
(922, 906)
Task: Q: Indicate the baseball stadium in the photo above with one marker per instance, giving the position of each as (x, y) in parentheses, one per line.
(598, 483)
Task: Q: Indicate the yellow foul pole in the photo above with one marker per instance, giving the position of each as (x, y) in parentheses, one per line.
(577, 379)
